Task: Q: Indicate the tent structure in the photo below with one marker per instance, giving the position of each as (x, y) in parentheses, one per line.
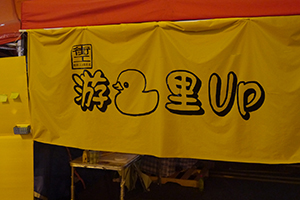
(267, 28)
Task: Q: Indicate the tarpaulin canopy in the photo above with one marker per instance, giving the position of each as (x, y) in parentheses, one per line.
(219, 89)
(222, 88)
(66, 13)
(9, 20)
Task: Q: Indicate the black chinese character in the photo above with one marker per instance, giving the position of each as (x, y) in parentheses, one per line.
(184, 87)
(92, 90)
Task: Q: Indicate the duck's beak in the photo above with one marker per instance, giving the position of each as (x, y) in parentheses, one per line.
(118, 86)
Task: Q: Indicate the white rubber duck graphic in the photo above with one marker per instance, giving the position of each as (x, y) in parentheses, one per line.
(133, 99)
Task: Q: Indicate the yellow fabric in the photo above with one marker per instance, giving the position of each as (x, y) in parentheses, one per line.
(175, 77)
(13, 94)
(16, 152)
(16, 169)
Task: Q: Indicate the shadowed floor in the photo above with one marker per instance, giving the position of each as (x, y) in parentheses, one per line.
(215, 189)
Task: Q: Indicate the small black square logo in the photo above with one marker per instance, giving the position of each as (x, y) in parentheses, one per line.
(81, 56)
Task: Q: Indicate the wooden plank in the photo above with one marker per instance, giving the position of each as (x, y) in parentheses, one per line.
(154, 178)
(183, 181)
(188, 173)
(186, 183)
(174, 175)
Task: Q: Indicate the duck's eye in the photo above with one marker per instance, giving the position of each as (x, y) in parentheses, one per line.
(126, 84)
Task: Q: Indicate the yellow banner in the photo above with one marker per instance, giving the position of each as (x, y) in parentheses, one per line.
(222, 89)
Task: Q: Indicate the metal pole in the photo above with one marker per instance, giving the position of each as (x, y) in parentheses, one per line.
(122, 183)
(20, 48)
(72, 183)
